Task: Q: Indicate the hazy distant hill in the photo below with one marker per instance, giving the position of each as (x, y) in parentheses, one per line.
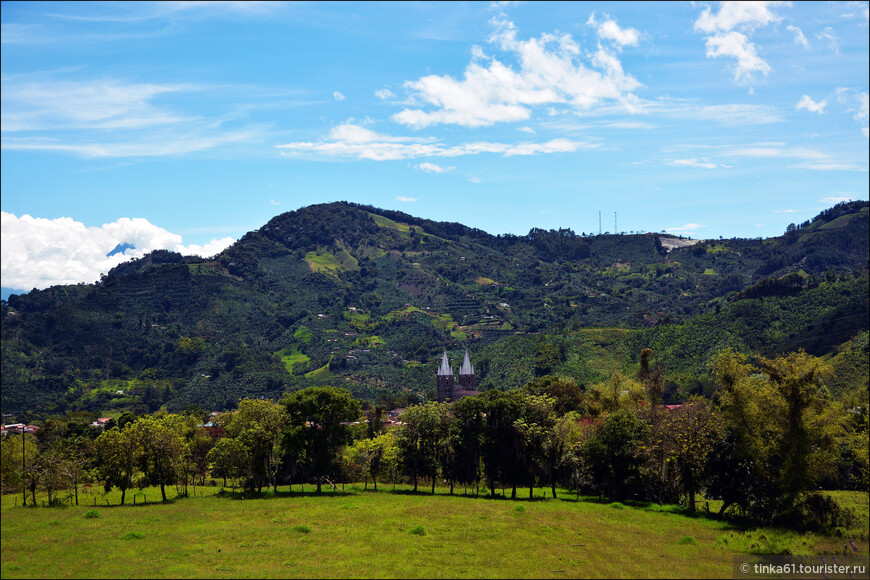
(367, 298)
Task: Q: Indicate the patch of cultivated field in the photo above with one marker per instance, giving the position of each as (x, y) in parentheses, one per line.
(375, 534)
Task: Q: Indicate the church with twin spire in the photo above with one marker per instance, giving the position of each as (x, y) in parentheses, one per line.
(447, 388)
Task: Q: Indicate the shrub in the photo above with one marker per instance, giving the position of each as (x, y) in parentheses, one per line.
(92, 514)
(418, 531)
(133, 536)
(688, 540)
(301, 529)
(617, 506)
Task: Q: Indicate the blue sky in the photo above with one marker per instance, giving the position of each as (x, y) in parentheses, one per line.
(184, 125)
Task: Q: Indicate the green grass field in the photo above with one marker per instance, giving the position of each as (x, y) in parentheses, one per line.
(380, 534)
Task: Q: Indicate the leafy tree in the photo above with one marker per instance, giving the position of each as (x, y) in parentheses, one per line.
(565, 393)
(258, 425)
(118, 451)
(501, 441)
(614, 453)
(367, 454)
(783, 430)
(418, 440)
(162, 450)
(538, 445)
(230, 458)
(687, 436)
(316, 421)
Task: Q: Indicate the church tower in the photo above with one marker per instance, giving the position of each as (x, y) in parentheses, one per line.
(445, 382)
(466, 375)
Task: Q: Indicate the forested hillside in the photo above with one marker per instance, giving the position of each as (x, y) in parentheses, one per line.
(367, 299)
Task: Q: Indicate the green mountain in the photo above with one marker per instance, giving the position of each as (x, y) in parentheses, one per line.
(367, 299)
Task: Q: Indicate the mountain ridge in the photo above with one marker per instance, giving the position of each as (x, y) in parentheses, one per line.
(377, 292)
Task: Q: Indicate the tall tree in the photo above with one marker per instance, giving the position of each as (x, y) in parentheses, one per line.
(118, 451)
(316, 418)
(162, 449)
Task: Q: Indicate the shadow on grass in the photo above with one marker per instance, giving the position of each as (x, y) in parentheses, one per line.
(280, 494)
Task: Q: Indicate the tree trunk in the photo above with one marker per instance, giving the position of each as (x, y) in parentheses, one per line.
(553, 488)
(433, 485)
(318, 485)
(513, 491)
(123, 493)
(531, 491)
(374, 481)
(76, 488)
(163, 491)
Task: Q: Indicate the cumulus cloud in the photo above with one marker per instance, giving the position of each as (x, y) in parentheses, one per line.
(474, 180)
(432, 168)
(610, 30)
(383, 94)
(729, 31)
(351, 140)
(810, 105)
(799, 37)
(549, 71)
(338, 96)
(857, 102)
(38, 252)
(737, 45)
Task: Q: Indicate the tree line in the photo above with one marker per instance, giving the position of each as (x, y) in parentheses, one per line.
(769, 436)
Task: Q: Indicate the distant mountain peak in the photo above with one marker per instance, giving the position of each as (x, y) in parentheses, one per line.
(120, 249)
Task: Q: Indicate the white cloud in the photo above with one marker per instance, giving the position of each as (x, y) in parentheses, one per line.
(474, 179)
(405, 199)
(610, 30)
(858, 103)
(799, 37)
(836, 199)
(549, 72)
(432, 168)
(731, 15)
(273, 202)
(809, 158)
(351, 140)
(150, 146)
(810, 105)
(383, 94)
(338, 96)
(828, 34)
(97, 104)
(786, 211)
(107, 118)
(38, 252)
(694, 163)
(731, 115)
(686, 228)
(729, 30)
(736, 44)
(526, 130)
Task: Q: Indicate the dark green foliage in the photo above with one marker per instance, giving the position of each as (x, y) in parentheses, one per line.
(172, 330)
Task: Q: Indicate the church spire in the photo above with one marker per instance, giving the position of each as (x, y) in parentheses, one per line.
(466, 368)
(445, 366)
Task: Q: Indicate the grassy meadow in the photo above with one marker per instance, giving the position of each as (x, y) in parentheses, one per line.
(393, 534)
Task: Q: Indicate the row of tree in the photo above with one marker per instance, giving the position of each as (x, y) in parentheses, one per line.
(770, 435)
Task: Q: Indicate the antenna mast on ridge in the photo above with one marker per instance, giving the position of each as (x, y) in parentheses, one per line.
(615, 230)
(599, 222)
